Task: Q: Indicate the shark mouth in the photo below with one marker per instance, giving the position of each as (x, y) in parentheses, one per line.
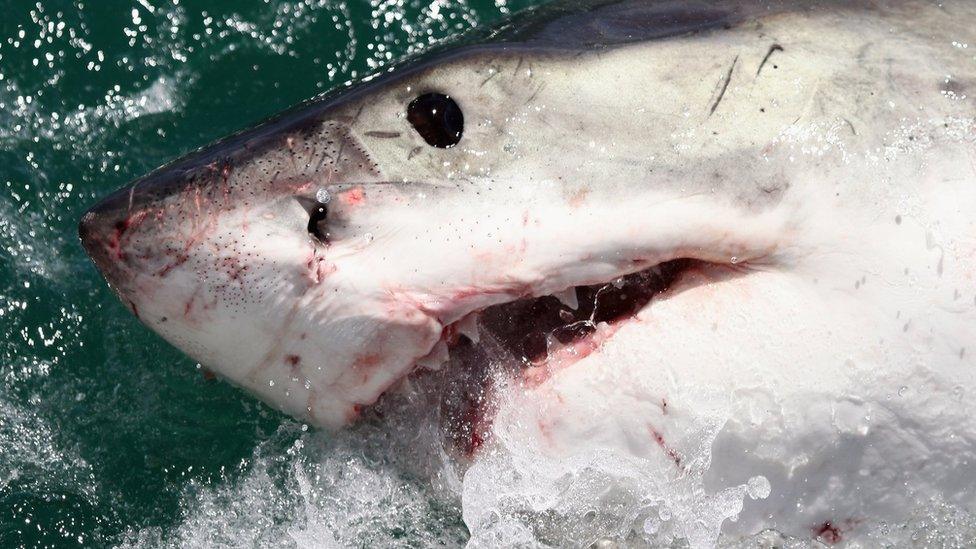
(530, 339)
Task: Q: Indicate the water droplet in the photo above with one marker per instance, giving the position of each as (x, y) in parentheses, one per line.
(368, 237)
(322, 196)
(758, 487)
(733, 260)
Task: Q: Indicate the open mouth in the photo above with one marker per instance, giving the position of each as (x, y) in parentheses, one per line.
(529, 339)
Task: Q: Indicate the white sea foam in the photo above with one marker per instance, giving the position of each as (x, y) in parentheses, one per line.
(391, 482)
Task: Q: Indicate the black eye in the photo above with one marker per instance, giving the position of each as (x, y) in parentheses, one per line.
(316, 222)
(437, 118)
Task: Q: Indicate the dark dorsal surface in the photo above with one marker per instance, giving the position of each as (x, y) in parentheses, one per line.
(582, 24)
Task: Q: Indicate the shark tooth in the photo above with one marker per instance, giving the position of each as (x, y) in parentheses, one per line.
(568, 298)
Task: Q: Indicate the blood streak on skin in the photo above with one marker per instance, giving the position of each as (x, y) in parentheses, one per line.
(366, 363)
(188, 306)
(115, 243)
(671, 452)
(477, 419)
(352, 415)
(182, 257)
(234, 269)
(450, 334)
(828, 533)
(225, 178)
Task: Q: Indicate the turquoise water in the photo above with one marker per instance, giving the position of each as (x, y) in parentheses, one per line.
(108, 435)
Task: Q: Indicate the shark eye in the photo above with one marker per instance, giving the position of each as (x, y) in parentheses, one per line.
(317, 226)
(437, 118)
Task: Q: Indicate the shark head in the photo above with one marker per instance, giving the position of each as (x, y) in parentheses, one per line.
(320, 257)
(663, 218)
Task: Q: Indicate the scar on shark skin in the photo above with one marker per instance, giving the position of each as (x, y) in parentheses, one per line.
(773, 48)
(724, 87)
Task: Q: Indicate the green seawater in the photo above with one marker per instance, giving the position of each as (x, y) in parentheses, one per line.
(108, 435)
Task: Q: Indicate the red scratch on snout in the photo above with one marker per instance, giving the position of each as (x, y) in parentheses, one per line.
(353, 197)
(197, 199)
(116, 242)
(293, 360)
(195, 238)
(668, 450)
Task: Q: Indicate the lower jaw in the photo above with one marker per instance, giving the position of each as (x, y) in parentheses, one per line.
(528, 340)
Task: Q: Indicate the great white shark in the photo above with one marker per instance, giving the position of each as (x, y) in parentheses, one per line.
(650, 217)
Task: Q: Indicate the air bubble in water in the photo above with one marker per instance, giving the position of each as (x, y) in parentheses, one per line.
(758, 487)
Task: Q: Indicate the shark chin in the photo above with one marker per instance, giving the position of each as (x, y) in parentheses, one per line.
(678, 272)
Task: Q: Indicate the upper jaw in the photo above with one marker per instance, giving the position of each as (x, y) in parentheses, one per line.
(676, 245)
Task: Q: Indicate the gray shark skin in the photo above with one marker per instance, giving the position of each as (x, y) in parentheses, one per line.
(730, 245)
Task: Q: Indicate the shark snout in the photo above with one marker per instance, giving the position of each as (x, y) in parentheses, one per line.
(101, 231)
(124, 233)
